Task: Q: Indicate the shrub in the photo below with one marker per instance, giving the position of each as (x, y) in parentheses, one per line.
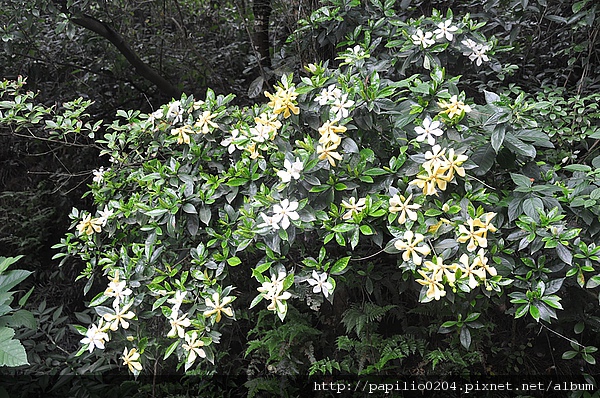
(374, 193)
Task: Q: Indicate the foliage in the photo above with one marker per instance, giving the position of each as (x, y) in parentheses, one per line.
(374, 215)
(12, 352)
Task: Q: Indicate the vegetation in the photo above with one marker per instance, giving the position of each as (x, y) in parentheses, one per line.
(393, 190)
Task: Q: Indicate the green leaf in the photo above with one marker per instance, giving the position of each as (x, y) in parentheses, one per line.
(534, 312)
(531, 206)
(12, 352)
(170, 349)
(6, 262)
(21, 318)
(498, 137)
(339, 266)
(236, 182)
(520, 180)
(564, 253)
(465, 337)
(484, 158)
(569, 354)
(12, 278)
(366, 230)
(233, 261)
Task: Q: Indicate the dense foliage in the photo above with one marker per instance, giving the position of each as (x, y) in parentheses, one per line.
(403, 207)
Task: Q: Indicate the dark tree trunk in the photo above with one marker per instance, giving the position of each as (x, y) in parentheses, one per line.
(262, 13)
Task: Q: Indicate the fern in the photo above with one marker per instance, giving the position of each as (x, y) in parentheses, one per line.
(357, 317)
(324, 366)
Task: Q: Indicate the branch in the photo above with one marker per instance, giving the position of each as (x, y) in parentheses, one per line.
(119, 42)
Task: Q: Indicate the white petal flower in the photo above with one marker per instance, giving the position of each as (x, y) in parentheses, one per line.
(320, 284)
(428, 131)
(285, 211)
(292, 170)
(105, 215)
(445, 29)
(423, 39)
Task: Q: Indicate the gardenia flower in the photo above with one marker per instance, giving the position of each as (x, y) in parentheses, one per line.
(292, 170)
(482, 261)
(283, 101)
(478, 53)
(328, 152)
(272, 290)
(454, 107)
(105, 215)
(204, 122)
(353, 207)
(285, 211)
(95, 337)
(439, 269)
(99, 175)
(355, 53)
(434, 176)
(340, 107)
(454, 163)
(469, 271)
(194, 347)
(89, 225)
(410, 248)
(229, 142)
(328, 132)
(445, 29)
(320, 283)
(253, 149)
(328, 94)
(399, 204)
(260, 133)
(131, 359)
(435, 290)
(177, 300)
(175, 113)
(270, 122)
(423, 39)
(428, 131)
(268, 221)
(183, 134)
(217, 307)
(178, 325)
(118, 290)
(475, 237)
(120, 316)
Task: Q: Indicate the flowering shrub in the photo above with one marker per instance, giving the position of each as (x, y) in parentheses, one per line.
(209, 210)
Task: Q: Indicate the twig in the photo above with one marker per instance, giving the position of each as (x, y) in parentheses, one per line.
(564, 337)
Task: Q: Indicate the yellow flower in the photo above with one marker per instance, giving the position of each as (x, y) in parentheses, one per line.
(434, 176)
(399, 204)
(254, 153)
(475, 237)
(353, 207)
(217, 307)
(284, 100)
(89, 225)
(410, 248)
(487, 224)
(454, 107)
(131, 359)
(470, 271)
(439, 269)
(183, 134)
(204, 122)
(328, 152)
(435, 290)
(194, 347)
(329, 132)
(120, 316)
(453, 163)
(269, 120)
(482, 261)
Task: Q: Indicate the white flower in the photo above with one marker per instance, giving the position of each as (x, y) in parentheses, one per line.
(428, 131)
(320, 283)
(229, 142)
(95, 337)
(478, 55)
(177, 300)
(285, 211)
(194, 347)
(340, 107)
(99, 175)
(353, 207)
(292, 170)
(261, 132)
(119, 317)
(470, 44)
(445, 29)
(118, 290)
(272, 222)
(328, 94)
(131, 359)
(423, 39)
(178, 325)
(105, 215)
(175, 112)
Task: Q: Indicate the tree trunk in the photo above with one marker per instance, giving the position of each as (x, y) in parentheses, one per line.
(262, 13)
(119, 42)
